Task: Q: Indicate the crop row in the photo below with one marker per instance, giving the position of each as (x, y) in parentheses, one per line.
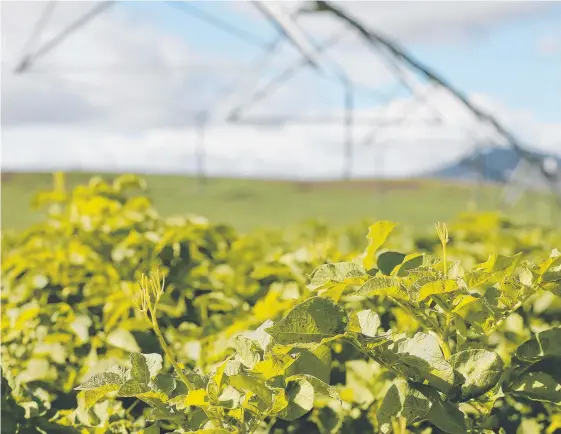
(117, 320)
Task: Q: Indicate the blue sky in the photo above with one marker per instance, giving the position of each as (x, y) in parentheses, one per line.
(109, 112)
(502, 60)
(506, 63)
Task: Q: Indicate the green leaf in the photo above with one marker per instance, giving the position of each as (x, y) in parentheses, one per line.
(383, 285)
(337, 272)
(377, 235)
(320, 387)
(312, 321)
(395, 263)
(480, 370)
(230, 397)
(495, 266)
(280, 402)
(311, 361)
(541, 345)
(99, 385)
(273, 366)
(366, 322)
(123, 339)
(447, 417)
(197, 398)
(132, 388)
(232, 367)
(410, 262)
(103, 379)
(538, 386)
(254, 385)
(155, 400)
(152, 429)
(551, 262)
(387, 261)
(247, 351)
(91, 396)
(260, 336)
(497, 262)
(530, 426)
(437, 287)
(164, 383)
(211, 431)
(300, 397)
(327, 420)
(402, 399)
(145, 366)
(421, 358)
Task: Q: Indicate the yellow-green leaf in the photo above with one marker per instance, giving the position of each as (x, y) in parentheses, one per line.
(197, 398)
(377, 235)
(93, 395)
(437, 287)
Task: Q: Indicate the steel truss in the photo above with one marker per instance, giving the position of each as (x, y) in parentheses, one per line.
(313, 54)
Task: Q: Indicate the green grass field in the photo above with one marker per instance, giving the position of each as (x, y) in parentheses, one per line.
(248, 204)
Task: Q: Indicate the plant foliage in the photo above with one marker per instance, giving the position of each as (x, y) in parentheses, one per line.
(117, 320)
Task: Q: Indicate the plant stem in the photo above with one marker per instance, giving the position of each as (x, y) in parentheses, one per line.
(174, 363)
(168, 352)
(134, 404)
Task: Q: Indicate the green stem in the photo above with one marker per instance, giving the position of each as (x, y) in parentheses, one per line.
(134, 404)
(443, 338)
(174, 363)
(168, 352)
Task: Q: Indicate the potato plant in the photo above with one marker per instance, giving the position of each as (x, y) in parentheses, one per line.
(444, 375)
(274, 331)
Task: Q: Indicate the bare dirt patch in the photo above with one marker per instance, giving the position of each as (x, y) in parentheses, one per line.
(6, 176)
(362, 185)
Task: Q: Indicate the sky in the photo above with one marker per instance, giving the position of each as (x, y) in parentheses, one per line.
(123, 92)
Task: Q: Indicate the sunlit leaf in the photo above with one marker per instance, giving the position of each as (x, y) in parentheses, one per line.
(543, 344)
(377, 235)
(312, 321)
(247, 351)
(480, 370)
(145, 366)
(337, 272)
(538, 386)
(436, 288)
(385, 286)
(300, 397)
(366, 322)
(404, 400)
(447, 417)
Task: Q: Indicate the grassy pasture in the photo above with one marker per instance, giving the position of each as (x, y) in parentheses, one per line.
(250, 203)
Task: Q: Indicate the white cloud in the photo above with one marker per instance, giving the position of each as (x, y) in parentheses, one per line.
(409, 21)
(292, 150)
(419, 20)
(112, 120)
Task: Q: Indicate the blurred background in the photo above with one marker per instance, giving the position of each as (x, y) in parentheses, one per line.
(270, 113)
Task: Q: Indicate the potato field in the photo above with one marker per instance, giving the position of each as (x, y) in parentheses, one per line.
(118, 320)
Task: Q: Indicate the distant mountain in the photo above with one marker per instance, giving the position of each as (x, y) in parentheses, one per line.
(493, 164)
